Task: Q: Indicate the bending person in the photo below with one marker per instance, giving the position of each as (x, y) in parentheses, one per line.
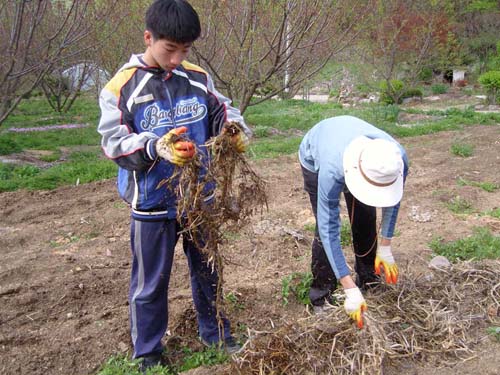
(347, 155)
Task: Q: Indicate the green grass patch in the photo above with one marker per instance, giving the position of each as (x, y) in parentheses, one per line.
(297, 284)
(50, 140)
(9, 146)
(459, 205)
(345, 234)
(261, 131)
(35, 112)
(482, 244)
(274, 146)
(121, 365)
(233, 301)
(310, 227)
(290, 118)
(82, 167)
(463, 150)
(450, 119)
(209, 357)
(51, 157)
(290, 114)
(494, 213)
(439, 88)
(494, 332)
(490, 187)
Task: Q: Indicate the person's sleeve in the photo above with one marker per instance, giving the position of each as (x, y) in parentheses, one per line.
(221, 111)
(129, 150)
(329, 222)
(390, 214)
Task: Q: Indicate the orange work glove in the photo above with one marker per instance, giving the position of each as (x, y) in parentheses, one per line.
(177, 152)
(384, 260)
(239, 139)
(355, 305)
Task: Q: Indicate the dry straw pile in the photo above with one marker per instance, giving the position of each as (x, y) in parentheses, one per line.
(434, 318)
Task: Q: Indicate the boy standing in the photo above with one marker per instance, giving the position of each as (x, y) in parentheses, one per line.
(159, 94)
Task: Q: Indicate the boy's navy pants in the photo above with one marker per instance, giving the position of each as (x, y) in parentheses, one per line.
(153, 244)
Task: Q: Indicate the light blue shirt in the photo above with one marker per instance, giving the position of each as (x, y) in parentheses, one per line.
(321, 151)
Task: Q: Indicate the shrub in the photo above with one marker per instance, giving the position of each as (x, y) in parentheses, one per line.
(425, 75)
(363, 88)
(412, 93)
(392, 91)
(439, 88)
(491, 82)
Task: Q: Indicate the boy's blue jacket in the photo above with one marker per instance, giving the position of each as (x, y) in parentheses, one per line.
(139, 105)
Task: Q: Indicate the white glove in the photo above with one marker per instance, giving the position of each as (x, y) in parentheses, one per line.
(385, 260)
(355, 305)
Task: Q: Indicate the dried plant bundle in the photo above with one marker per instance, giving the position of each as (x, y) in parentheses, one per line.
(217, 192)
(432, 318)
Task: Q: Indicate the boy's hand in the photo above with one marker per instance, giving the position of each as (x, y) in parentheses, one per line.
(239, 139)
(385, 260)
(355, 305)
(178, 152)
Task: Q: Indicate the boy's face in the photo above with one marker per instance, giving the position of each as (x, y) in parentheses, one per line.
(164, 53)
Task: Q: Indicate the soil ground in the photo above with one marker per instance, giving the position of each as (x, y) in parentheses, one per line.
(65, 258)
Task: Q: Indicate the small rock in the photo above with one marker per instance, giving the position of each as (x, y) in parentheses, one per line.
(418, 216)
(122, 346)
(69, 315)
(433, 98)
(440, 263)
(108, 253)
(429, 277)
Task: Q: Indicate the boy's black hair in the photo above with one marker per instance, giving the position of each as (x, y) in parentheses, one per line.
(175, 20)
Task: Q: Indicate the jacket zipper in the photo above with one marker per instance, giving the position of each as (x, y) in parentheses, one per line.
(174, 125)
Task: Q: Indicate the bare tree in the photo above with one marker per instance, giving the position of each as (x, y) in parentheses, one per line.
(124, 31)
(64, 83)
(403, 36)
(36, 35)
(270, 47)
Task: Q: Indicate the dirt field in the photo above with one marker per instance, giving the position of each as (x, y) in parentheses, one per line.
(65, 258)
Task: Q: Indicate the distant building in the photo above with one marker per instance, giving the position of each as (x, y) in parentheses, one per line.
(93, 76)
(458, 76)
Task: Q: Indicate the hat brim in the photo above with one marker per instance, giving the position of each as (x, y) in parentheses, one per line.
(360, 187)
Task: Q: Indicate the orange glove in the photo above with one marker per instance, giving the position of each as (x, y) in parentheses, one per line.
(239, 139)
(355, 305)
(178, 152)
(385, 260)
